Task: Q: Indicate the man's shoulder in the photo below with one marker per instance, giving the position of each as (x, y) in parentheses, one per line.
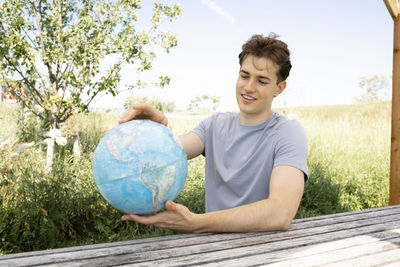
(285, 124)
(290, 131)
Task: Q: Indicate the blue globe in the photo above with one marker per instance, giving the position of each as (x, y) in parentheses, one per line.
(138, 166)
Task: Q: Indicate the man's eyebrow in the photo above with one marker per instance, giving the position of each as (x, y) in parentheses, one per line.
(259, 76)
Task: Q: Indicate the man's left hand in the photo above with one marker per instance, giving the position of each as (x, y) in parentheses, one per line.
(176, 217)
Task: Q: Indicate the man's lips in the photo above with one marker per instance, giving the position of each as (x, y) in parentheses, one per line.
(247, 98)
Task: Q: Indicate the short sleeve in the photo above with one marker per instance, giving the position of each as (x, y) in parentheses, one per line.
(292, 147)
(203, 128)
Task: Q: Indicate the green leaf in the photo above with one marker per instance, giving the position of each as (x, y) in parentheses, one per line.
(56, 49)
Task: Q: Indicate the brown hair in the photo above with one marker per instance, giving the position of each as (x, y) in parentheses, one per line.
(269, 47)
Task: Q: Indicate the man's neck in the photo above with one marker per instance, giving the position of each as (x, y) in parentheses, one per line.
(254, 119)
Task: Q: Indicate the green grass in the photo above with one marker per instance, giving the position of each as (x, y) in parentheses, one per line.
(348, 162)
(8, 125)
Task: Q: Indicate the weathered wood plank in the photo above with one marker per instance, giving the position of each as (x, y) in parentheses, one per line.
(201, 238)
(392, 264)
(195, 249)
(199, 254)
(106, 245)
(343, 217)
(172, 245)
(331, 252)
(347, 214)
(379, 258)
(316, 254)
(267, 250)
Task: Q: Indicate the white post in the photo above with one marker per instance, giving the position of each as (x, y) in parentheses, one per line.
(49, 154)
(76, 149)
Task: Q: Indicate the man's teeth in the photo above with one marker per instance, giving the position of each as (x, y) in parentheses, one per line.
(248, 97)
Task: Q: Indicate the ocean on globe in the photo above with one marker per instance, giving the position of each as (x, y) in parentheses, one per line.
(139, 165)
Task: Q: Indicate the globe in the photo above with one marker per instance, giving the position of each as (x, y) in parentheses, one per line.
(138, 166)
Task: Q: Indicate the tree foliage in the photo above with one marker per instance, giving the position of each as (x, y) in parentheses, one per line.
(204, 104)
(162, 105)
(55, 50)
(375, 88)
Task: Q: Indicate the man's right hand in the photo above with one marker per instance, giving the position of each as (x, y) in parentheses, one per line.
(143, 112)
(191, 142)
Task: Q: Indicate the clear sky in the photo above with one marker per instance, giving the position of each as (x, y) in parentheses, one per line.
(333, 44)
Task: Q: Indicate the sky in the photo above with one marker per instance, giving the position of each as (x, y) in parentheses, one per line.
(332, 43)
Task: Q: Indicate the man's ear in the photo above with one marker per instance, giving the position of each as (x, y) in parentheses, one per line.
(280, 88)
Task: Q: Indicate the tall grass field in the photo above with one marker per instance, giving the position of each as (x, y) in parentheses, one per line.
(349, 148)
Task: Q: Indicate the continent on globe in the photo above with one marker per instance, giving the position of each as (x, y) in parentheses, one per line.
(139, 165)
(158, 181)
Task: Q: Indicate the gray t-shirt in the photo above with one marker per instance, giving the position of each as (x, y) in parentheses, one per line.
(240, 159)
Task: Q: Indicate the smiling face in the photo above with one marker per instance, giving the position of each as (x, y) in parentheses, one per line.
(256, 87)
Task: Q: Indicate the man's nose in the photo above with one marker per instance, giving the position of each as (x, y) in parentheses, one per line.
(250, 86)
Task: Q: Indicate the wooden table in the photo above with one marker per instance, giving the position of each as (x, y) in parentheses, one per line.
(362, 238)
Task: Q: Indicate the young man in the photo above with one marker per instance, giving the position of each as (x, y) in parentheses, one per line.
(256, 161)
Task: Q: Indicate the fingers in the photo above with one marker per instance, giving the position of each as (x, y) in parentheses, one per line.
(140, 219)
(143, 111)
(170, 205)
(151, 113)
(177, 209)
(157, 220)
(177, 217)
(128, 115)
(136, 113)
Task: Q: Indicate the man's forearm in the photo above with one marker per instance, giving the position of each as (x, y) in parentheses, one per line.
(274, 213)
(264, 215)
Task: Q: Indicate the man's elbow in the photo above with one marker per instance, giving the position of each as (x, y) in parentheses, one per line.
(283, 224)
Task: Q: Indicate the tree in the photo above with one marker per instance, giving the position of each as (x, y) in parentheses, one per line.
(375, 88)
(54, 50)
(204, 103)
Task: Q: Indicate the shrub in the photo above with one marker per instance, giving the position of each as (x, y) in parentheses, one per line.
(348, 170)
(193, 193)
(28, 125)
(8, 113)
(42, 210)
(61, 208)
(162, 105)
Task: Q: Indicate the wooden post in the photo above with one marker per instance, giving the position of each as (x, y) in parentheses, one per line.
(395, 147)
(393, 7)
